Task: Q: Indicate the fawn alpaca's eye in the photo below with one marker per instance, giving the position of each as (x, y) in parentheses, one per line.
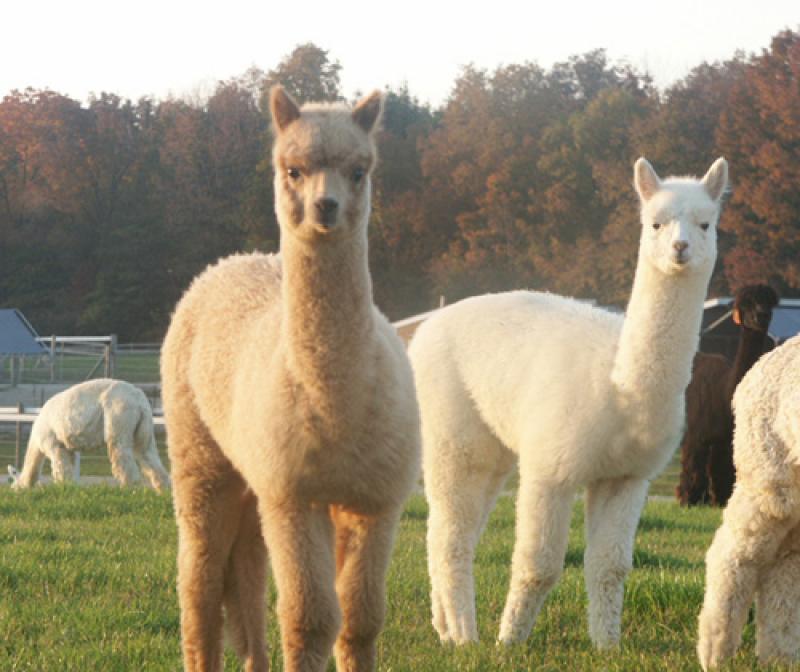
(358, 174)
(293, 173)
(704, 226)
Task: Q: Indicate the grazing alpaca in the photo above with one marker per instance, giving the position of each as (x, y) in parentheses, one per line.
(291, 414)
(707, 473)
(756, 551)
(500, 379)
(91, 415)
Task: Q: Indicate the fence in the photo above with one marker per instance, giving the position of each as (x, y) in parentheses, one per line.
(73, 359)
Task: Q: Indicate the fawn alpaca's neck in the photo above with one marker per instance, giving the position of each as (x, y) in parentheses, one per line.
(659, 339)
(328, 313)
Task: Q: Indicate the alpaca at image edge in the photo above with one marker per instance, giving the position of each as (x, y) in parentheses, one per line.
(756, 551)
(89, 416)
(500, 380)
(291, 416)
(707, 473)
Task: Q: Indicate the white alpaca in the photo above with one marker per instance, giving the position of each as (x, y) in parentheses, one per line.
(580, 397)
(756, 551)
(88, 416)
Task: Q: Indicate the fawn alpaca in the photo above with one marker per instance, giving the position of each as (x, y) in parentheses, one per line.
(291, 416)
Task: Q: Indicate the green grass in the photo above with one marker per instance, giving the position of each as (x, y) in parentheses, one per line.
(87, 581)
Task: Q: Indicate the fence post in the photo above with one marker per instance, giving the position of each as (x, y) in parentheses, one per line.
(53, 358)
(111, 351)
(18, 450)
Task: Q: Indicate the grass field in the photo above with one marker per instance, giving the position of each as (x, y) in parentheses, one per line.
(87, 581)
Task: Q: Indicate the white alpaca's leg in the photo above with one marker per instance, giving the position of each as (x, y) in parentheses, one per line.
(543, 518)
(455, 524)
(613, 509)
(747, 541)
(300, 542)
(32, 468)
(119, 428)
(778, 604)
(146, 453)
(61, 463)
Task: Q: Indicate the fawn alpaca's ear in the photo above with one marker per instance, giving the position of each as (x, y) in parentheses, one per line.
(645, 179)
(368, 110)
(282, 107)
(716, 179)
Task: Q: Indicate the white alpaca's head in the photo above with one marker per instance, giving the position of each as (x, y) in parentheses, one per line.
(323, 158)
(679, 218)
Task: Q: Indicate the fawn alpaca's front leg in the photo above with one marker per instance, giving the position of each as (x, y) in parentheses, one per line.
(300, 541)
(363, 548)
(543, 515)
(613, 509)
(208, 518)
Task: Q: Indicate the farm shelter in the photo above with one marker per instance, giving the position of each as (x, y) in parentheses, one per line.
(18, 339)
(721, 335)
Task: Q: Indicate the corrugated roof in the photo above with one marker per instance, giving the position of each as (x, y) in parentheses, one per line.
(17, 336)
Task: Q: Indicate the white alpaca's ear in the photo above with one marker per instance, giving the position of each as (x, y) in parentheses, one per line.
(645, 179)
(716, 179)
(283, 108)
(368, 111)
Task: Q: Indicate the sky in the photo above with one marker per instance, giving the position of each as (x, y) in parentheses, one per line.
(177, 48)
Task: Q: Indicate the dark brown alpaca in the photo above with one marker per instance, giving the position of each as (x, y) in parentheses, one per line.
(707, 471)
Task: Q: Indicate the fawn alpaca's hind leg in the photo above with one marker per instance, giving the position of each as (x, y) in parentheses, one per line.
(208, 500)
(543, 516)
(363, 548)
(300, 542)
(613, 509)
(747, 541)
(778, 604)
(460, 501)
(244, 586)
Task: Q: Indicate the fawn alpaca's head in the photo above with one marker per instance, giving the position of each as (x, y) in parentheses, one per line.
(323, 158)
(679, 218)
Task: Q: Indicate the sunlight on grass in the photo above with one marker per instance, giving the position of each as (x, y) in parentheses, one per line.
(88, 582)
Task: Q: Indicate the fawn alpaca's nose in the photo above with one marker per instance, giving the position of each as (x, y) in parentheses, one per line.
(326, 209)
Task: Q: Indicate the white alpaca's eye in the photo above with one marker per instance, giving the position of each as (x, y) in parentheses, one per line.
(293, 173)
(704, 226)
(358, 174)
(656, 225)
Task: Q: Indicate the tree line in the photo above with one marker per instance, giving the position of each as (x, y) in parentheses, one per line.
(521, 178)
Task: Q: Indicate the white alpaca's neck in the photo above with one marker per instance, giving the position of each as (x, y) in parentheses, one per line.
(658, 342)
(328, 311)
